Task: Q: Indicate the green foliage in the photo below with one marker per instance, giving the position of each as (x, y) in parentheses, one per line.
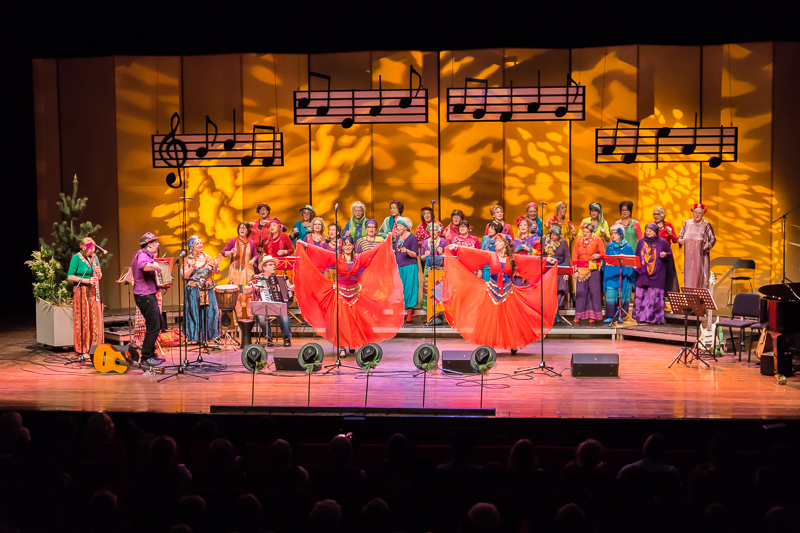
(312, 367)
(51, 281)
(483, 369)
(46, 285)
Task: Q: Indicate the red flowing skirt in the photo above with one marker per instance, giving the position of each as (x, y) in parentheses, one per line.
(370, 308)
(512, 322)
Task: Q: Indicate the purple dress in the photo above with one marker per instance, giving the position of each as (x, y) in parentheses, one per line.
(531, 241)
(651, 279)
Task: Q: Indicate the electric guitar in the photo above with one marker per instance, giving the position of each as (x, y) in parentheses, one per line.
(707, 333)
(107, 359)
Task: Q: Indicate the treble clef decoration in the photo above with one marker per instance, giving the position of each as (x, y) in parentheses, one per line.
(173, 152)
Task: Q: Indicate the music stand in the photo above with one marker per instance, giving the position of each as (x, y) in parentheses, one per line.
(687, 303)
(621, 261)
(564, 270)
(708, 301)
(268, 309)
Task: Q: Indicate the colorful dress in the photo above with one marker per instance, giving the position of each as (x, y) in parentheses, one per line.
(487, 243)
(322, 242)
(422, 231)
(651, 276)
(537, 223)
(302, 231)
(259, 233)
(588, 287)
(356, 228)
(611, 278)
(273, 245)
(370, 297)
(697, 260)
(437, 259)
(87, 309)
(387, 226)
(531, 241)
(470, 241)
(365, 245)
(202, 312)
(633, 232)
(560, 250)
(498, 313)
(408, 268)
(450, 232)
(672, 284)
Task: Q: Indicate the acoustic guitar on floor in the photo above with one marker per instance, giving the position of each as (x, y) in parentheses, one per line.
(707, 332)
(108, 359)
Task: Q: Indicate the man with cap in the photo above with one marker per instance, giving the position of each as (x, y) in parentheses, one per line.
(259, 288)
(259, 230)
(144, 268)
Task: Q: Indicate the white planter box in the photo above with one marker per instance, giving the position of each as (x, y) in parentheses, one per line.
(54, 325)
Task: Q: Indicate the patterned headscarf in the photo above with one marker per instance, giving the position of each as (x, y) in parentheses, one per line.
(652, 241)
(431, 225)
(596, 205)
(371, 221)
(551, 245)
(193, 240)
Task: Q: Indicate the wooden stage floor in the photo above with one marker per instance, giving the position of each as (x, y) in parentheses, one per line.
(35, 378)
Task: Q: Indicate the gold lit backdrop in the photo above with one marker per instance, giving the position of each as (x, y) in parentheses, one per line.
(468, 166)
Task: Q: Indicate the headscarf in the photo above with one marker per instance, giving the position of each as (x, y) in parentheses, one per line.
(619, 230)
(652, 241)
(701, 206)
(371, 221)
(405, 222)
(193, 240)
(532, 204)
(550, 245)
(354, 222)
(661, 211)
(430, 226)
(596, 205)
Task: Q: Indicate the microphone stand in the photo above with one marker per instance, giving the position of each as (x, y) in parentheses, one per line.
(783, 218)
(542, 365)
(338, 363)
(183, 348)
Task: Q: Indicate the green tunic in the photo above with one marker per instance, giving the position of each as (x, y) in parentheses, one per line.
(79, 268)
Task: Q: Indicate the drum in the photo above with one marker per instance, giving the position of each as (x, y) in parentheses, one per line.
(227, 296)
(246, 328)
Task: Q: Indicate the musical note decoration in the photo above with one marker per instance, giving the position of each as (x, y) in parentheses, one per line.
(263, 145)
(515, 104)
(666, 145)
(351, 106)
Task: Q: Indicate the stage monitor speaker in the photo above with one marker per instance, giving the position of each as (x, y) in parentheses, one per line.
(457, 361)
(286, 359)
(595, 365)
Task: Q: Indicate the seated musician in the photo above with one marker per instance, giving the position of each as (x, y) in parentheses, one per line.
(260, 289)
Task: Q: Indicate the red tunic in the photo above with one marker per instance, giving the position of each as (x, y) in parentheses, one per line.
(272, 246)
(259, 236)
(513, 320)
(370, 294)
(671, 238)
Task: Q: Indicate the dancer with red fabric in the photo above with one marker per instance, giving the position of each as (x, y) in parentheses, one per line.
(370, 294)
(505, 311)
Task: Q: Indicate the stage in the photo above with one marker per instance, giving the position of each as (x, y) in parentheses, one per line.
(36, 378)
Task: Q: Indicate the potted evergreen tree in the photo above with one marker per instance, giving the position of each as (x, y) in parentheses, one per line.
(49, 265)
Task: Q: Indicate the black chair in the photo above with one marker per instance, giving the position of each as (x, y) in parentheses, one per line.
(746, 307)
(742, 264)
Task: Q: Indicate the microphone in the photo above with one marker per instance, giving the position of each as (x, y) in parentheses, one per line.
(336, 205)
(183, 253)
(543, 203)
(433, 201)
(101, 248)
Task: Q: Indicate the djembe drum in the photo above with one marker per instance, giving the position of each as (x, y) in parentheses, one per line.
(227, 296)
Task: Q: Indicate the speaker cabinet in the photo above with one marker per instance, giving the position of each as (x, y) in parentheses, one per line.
(286, 359)
(457, 361)
(595, 365)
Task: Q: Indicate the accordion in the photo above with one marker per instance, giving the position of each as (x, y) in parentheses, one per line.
(274, 289)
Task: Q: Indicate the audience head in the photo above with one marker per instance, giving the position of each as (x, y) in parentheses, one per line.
(655, 448)
(780, 520)
(103, 510)
(590, 453)
(99, 427)
(11, 427)
(206, 430)
(180, 528)
(717, 519)
(484, 518)
(280, 453)
(163, 450)
(570, 519)
(397, 449)
(220, 452)
(375, 516)
(192, 511)
(522, 457)
(248, 512)
(341, 449)
(325, 516)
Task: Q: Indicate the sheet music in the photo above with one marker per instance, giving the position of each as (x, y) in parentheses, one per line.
(665, 145)
(554, 103)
